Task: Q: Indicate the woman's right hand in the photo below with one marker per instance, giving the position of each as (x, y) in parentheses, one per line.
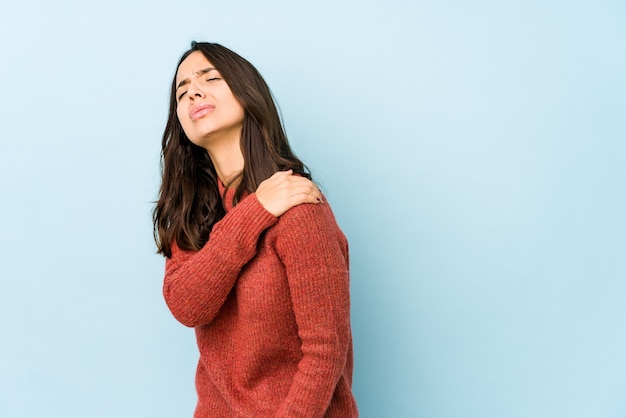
(283, 191)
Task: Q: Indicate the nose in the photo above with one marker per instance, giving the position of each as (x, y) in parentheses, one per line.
(195, 91)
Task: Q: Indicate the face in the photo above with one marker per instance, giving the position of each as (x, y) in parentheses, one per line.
(206, 107)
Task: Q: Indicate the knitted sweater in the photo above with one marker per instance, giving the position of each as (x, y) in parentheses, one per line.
(269, 300)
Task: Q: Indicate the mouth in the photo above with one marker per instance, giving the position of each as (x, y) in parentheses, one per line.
(199, 110)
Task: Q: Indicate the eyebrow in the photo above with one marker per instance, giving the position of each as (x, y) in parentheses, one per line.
(199, 72)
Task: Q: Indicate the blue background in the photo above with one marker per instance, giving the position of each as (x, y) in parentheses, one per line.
(474, 154)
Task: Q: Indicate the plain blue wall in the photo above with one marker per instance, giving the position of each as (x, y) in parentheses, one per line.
(474, 153)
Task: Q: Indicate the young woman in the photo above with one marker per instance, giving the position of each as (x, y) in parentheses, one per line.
(255, 261)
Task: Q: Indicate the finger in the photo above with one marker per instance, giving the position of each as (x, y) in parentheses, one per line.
(308, 189)
(304, 187)
(279, 174)
(284, 173)
(297, 180)
(306, 198)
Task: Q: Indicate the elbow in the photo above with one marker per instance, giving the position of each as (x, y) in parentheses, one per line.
(184, 319)
(179, 307)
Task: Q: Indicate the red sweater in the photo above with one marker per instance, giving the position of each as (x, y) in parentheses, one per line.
(269, 300)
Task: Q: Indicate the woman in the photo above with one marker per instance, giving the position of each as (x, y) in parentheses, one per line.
(255, 260)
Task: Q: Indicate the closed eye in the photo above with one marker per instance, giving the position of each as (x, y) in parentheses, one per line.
(180, 96)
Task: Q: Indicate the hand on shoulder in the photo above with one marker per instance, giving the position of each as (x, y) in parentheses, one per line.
(283, 190)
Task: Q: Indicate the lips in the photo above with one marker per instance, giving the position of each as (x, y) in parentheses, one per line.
(199, 110)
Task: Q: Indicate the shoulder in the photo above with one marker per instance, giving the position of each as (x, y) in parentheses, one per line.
(309, 226)
(307, 216)
(308, 239)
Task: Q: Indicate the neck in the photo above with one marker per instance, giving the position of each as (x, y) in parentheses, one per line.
(227, 158)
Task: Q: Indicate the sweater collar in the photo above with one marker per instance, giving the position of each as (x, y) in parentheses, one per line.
(227, 199)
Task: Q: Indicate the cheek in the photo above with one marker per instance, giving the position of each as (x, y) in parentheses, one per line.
(178, 115)
(234, 108)
(237, 111)
(182, 119)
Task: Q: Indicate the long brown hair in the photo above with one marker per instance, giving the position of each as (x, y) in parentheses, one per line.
(189, 201)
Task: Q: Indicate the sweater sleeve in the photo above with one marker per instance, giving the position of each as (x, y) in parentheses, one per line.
(196, 284)
(315, 255)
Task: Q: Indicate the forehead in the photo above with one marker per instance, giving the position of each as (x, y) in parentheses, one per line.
(191, 65)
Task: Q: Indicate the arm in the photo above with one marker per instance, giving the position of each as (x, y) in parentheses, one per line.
(197, 284)
(314, 252)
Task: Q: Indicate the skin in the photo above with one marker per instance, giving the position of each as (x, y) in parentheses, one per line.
(212, 118)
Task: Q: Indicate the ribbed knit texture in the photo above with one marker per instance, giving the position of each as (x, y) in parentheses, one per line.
(269, 300)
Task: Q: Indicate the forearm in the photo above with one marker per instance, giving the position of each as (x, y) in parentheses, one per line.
(319, 370)
(196, 286)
